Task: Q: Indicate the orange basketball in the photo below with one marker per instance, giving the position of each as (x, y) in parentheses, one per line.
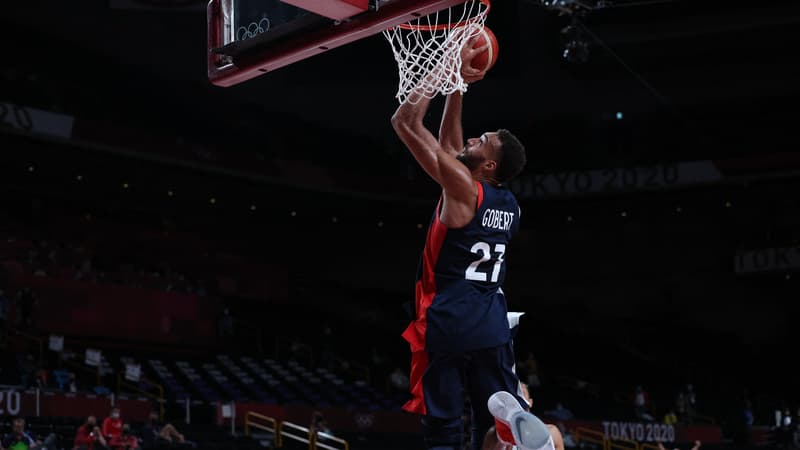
(485, 60)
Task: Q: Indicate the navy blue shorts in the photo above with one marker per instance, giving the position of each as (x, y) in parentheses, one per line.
(441, 381)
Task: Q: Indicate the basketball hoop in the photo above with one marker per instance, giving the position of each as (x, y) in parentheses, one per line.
(428, 49)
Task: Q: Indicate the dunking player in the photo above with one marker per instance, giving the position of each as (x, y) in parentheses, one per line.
(460, 339)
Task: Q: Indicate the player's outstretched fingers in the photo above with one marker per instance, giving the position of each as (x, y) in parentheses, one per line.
(468, 53)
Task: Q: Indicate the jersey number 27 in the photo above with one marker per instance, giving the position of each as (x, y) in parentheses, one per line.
(485, 250)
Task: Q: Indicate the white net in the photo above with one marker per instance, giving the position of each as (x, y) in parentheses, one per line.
(428, 49)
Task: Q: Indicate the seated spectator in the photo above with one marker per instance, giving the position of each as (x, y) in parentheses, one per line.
(125, 441)
(19, 439)
(112, 425)
(566, 436)
(641, 403)
(681, 407)
(691, 403)
(747, 420)
(72, 384)
(560, 412)
(60, 377)
(787, 430)
(41, 378)
(156, 435)
(89, 436)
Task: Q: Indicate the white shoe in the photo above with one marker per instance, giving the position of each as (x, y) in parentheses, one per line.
(528, 432)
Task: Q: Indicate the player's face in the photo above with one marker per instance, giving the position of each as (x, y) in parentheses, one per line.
(479, 150)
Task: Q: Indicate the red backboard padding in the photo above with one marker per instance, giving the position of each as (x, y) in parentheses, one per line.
(306, 45)
(332, 9)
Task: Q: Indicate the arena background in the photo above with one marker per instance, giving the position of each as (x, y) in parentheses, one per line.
(659, 245)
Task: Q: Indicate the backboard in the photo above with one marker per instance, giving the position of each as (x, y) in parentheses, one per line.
(248, 38)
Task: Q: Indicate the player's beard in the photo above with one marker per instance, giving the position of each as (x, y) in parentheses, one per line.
(469, 160)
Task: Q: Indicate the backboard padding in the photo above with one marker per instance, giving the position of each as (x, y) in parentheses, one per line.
(238, 62)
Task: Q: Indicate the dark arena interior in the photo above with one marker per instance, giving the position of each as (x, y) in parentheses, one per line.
(238, 261)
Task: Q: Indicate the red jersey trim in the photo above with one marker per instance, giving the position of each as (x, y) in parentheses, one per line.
(425, 292)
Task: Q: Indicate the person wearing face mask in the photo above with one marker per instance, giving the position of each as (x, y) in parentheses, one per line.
(112, 425)
(89, 436)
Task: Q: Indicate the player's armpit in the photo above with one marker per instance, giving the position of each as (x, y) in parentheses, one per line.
(452, 175)
(456, 179)
(420, 142)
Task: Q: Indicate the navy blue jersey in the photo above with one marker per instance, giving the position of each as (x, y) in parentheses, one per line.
(459, 300)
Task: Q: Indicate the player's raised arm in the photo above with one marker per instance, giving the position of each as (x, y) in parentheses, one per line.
(452, 175)
(438, 156)
(451, 135)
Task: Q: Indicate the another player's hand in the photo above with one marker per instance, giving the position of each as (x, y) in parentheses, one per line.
(468, 53)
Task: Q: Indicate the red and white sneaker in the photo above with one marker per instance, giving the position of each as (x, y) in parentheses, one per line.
(515, 426)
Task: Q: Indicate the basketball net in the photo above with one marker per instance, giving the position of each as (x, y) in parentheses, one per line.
(428, 49)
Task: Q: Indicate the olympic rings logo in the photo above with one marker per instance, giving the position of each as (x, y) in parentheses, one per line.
(252, 30)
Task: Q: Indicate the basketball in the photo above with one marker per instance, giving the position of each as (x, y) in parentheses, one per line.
(485, 60)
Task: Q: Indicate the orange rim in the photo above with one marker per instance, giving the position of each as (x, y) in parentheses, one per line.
(442, 27)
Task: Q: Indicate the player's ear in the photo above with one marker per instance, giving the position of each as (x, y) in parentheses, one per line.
(490, 164)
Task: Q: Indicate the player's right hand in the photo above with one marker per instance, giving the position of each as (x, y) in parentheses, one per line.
(468, 53)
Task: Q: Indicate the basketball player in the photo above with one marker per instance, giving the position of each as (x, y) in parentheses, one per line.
(460, 338)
